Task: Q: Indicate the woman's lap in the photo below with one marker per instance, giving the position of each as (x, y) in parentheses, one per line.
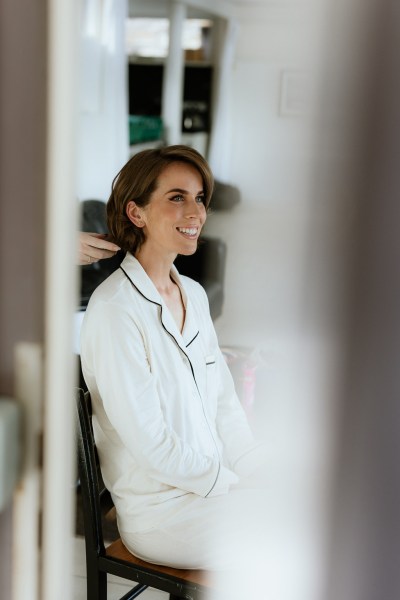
(205, 533)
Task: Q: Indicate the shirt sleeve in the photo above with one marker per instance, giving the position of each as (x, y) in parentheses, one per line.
(114, 356)
(244, 454)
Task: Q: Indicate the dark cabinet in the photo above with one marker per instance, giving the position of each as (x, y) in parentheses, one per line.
(145, 94)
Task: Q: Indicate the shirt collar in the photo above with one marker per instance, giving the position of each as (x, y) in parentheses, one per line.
(140, 279)
(148, 290)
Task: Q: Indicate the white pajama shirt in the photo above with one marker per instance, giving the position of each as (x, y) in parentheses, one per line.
(169, 427)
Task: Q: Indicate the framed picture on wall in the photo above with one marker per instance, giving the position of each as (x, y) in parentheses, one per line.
(294, 93)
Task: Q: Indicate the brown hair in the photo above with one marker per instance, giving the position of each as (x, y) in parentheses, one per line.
(137, 180)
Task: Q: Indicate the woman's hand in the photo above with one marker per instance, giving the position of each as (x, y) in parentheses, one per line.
(93, 247)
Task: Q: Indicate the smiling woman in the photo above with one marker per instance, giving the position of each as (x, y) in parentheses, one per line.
(172, 436)
(176, 214)
(138, 179)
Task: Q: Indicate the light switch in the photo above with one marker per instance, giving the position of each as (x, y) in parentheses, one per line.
(10, 440)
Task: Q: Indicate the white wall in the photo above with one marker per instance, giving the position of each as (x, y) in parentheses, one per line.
(270, 163)
(268, 283)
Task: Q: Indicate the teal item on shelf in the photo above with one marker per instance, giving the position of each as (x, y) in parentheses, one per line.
(144, 128)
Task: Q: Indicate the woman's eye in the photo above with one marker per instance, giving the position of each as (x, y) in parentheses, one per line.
(177, 198)
(200, 199)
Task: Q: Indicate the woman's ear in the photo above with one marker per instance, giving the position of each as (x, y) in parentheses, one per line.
(133, 213)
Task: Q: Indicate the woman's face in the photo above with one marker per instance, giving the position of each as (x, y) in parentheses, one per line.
(173, 219)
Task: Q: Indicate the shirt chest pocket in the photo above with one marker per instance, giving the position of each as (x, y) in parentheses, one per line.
(211, 384)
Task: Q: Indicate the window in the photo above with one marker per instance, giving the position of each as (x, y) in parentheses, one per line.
(149, 38)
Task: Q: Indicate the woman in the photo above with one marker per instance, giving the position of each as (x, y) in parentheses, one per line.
(172, 437)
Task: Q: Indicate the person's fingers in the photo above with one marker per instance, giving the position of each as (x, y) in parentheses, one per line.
(92, 247)
(98, 240)
(85, 259)
(98, 253)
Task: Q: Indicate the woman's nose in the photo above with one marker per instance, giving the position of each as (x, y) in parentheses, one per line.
(194, 209)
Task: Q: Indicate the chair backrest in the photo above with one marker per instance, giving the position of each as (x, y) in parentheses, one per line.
(95, 497)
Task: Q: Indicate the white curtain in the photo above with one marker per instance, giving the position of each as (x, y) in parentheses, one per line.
(103, 135)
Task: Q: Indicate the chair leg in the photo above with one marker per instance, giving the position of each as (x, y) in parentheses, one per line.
(96, 585)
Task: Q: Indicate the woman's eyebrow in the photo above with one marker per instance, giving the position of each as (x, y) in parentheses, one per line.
(181, 191)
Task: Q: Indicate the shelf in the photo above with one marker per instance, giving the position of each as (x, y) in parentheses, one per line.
(157, 61)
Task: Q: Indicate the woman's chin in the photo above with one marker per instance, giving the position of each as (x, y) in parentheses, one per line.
(188, 249)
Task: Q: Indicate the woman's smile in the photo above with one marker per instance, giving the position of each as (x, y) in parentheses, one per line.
(189, 232)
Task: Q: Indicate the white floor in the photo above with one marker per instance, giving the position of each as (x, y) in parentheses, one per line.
(117, 587)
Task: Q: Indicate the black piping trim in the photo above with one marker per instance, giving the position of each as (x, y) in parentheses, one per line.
(136, 288)
(190, 363)
(187, 345)
(216, 479)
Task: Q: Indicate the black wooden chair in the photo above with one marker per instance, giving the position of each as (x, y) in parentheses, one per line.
(116, 559)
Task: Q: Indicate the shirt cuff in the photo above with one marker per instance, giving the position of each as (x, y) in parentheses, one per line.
(224, 480)
(250, 461)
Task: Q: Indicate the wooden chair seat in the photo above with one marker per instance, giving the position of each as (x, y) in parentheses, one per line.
(195, 576)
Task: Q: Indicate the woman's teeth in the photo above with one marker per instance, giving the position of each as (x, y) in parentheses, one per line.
(189, 231)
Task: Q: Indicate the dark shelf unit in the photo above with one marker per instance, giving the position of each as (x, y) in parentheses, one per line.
(145, 93)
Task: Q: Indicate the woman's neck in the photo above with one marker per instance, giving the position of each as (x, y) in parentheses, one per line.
(157, 267)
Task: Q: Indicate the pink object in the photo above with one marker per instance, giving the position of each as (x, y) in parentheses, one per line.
(249, 386)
